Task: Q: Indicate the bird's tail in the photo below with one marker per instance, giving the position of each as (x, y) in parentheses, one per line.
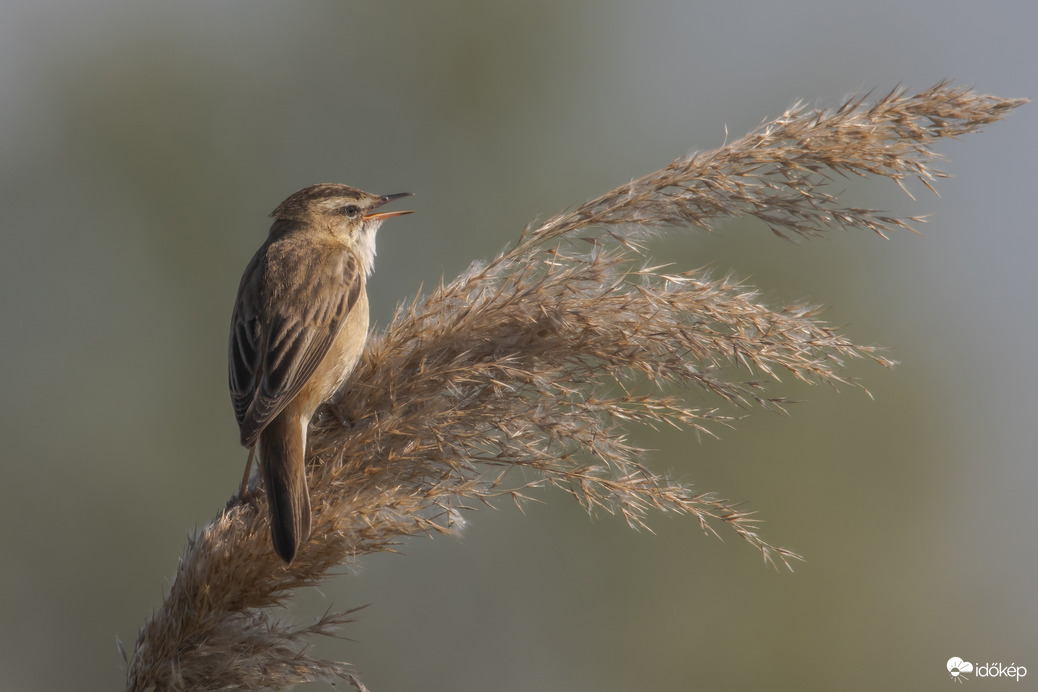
(282, 454)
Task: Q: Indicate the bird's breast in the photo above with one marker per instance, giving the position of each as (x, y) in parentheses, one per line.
(339, 362)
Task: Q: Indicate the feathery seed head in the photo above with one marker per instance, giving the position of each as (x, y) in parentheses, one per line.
(540, 360)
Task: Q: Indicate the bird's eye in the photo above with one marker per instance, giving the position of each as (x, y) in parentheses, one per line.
(351, 210)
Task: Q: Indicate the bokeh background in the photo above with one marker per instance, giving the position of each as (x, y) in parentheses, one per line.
(143, 145)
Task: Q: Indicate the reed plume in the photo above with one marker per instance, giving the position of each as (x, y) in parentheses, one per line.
(541, 359)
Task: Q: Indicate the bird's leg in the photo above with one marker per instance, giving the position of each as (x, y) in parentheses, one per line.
(244, 494)
(344, 420)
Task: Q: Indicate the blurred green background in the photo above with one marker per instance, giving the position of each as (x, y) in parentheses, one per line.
(143, 145)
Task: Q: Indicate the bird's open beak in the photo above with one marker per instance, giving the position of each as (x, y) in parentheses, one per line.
(386, 199)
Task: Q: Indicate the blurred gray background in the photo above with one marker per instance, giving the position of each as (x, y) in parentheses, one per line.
(143, 145)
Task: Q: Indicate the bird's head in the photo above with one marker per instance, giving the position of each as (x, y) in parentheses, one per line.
(349, 214)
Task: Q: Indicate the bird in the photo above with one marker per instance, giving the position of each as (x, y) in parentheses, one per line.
(298, 328)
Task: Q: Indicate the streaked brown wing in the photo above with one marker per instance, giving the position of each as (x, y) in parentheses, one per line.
(286, 317)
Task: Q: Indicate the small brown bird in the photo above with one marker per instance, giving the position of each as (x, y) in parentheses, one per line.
(298, 328)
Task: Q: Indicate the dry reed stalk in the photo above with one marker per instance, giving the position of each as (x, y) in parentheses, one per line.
(532, 361)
